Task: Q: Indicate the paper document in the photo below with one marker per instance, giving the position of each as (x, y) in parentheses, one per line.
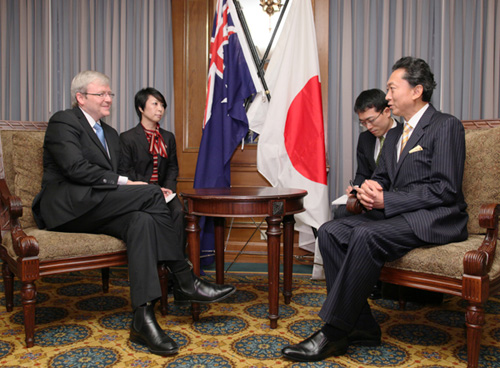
(170, 197)
(340, 200)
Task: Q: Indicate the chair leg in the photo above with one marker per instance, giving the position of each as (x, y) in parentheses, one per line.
(105, 279)
(28, 296)
(8, 284)
(401, 298)
(474, 320)
(163, 276)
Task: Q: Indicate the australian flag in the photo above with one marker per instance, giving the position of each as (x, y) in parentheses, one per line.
(232, 78)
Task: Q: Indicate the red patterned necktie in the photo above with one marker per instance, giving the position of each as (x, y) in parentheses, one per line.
(157, 147)
(156, 143)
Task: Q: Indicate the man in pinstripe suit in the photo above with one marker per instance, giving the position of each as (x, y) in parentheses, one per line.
(413, 199)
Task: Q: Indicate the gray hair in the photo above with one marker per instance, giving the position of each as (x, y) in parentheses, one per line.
(82, 80)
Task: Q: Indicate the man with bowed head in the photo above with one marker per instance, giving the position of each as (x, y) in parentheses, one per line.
(414, 198)
(82, 192)
(374, 115)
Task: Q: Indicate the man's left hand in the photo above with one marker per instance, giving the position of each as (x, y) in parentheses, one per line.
(371, 195)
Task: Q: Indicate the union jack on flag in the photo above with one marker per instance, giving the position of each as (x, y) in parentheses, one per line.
(220, 38)
(232, 78)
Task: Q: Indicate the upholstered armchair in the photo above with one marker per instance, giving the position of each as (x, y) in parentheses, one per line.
(29, 253)
(468, 269)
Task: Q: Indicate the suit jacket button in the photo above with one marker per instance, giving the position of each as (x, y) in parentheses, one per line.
(104, 181)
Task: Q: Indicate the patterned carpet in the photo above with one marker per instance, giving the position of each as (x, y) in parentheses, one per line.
(78, 326)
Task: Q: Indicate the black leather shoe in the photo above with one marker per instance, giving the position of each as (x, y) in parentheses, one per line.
(191, 289)
(361, 337)
(146, 331)
(316, 347)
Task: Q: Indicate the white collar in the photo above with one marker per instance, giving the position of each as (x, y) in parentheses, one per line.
(416, 118)
(90, 119)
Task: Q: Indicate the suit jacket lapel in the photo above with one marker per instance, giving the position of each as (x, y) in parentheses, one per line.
(93, 136)
(416, 135)
(142, 139)
(370, 151)
(111, 142)
(391, 156)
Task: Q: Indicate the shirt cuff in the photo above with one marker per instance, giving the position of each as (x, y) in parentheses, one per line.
(122, 180)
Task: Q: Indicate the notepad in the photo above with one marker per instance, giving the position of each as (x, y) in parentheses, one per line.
(340, 200)
(170, 197)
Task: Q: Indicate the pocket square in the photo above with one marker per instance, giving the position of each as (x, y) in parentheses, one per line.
(416, 149)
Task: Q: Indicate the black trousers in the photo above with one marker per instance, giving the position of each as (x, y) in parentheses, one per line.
(139, 216)
(354, 250)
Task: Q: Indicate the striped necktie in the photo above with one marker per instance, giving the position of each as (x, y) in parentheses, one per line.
(406, 134)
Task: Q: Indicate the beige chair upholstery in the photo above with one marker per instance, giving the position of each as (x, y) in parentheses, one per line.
(469, 269)
(30, 253)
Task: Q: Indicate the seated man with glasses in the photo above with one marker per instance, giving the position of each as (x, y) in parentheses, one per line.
(82, 192)
(375, 116)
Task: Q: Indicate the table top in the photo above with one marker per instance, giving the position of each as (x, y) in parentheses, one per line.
(243, 202)
(241, 193)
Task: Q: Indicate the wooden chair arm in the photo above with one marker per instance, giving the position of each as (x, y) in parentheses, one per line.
(11, 209)
(353, 205)
(478, 261)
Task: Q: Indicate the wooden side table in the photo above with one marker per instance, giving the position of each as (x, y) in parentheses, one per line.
(275, 204)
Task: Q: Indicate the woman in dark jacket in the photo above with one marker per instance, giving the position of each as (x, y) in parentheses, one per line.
(148, 152)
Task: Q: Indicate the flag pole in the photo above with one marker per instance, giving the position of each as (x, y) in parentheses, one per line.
(268, 49)
(260, 70)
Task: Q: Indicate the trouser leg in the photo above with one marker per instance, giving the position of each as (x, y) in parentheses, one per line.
(178, 219)
(354, 251)
(139, 216)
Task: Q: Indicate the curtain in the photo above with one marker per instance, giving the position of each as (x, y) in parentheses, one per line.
(45, 43)
(459, 39)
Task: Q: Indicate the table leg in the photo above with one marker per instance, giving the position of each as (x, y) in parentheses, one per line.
(193, 239)
(288, 223)
(273, 263)
(219, 249)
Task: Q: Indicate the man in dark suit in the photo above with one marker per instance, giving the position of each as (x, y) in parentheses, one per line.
(375, 116)
(413, 199)
(82, 192)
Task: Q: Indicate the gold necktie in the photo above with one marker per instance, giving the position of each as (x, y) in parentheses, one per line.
(381, 139)
(406, 134)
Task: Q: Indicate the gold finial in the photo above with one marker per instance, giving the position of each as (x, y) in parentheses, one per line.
(271, 6)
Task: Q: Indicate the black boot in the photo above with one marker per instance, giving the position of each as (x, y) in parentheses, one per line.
(190, 288)
(146, 331)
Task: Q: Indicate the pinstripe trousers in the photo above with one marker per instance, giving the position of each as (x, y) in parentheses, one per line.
(354, 250)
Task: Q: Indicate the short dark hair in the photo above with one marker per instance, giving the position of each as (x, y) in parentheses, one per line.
(370, 98)
(417, 72)
(142, 96)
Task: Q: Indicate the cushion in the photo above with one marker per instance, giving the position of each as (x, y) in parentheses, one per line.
(57, 245)
(482, 173)
(27, 156)
(443, 260)
(8, 167)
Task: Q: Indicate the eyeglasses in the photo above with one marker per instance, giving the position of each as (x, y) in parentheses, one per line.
(100, 95)
(370, 120)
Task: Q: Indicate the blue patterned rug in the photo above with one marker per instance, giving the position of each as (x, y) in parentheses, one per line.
(78, 326)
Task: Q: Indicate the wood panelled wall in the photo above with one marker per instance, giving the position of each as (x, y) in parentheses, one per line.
(192, 25)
